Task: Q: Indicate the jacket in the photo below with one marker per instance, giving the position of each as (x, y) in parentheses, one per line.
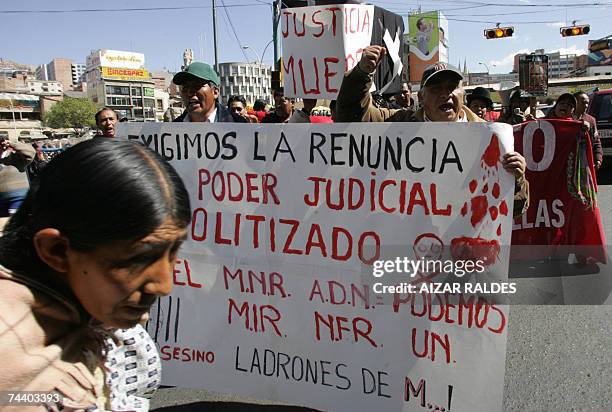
(13, 167)
(354, 104)
(223, 116)
(595, 140)
(48, 344)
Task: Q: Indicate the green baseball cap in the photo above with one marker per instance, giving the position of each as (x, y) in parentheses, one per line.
(197, 69)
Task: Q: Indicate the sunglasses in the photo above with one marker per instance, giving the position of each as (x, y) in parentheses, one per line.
(195, 86)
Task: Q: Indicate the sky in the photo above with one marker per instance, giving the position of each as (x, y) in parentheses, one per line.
(34, 32)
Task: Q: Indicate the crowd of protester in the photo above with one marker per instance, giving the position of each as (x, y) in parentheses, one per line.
(73, 223)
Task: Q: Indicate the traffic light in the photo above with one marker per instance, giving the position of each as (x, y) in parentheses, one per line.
(499, 32)
(575, 30)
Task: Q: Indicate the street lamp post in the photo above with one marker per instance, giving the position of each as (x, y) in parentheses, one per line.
(264, 51)
(254, 51)
(488, 73)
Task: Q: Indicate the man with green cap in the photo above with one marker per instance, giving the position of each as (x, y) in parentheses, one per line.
(200, 92)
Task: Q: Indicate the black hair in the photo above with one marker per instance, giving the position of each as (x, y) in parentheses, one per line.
(332, 107)
(580, 92)
(236, 98)
(259, 106)
(104, 109)
(95, 193)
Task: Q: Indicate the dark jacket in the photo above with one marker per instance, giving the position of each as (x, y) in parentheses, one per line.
(595, 140)
(355, 105)
(223, 116)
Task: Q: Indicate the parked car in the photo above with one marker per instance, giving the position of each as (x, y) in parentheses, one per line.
(601, 109)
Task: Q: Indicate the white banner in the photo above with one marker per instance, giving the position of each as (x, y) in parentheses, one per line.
(273, 292)
(321, 43)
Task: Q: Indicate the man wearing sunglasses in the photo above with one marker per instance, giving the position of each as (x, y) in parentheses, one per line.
(237, 104)
(200, 92)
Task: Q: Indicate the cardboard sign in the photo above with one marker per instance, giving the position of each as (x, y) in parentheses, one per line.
(533, 74)
(273, 293)
(321, 43)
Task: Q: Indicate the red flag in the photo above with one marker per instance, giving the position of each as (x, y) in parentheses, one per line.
(563, 206)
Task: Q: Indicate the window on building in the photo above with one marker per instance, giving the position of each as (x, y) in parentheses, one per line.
(120, 90)
(137, 102)
(159, 104)
(149, 102)
(4, 135)
(149, 113)
(138, 113)
(124, 113)
(117, 101)
(149, 91)
(136, 91)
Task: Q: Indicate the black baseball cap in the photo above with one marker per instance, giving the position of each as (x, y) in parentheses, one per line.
(438, 69)
(480, 93)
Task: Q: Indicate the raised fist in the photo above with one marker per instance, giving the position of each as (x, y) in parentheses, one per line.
(370, 58)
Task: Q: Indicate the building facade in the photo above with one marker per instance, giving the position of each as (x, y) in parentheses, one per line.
(561, 65)
(251, 80)
(599, 70)
(477, 78)
(78, 74)
(70, 74)
(42, 72)
(44, 87)
(119, 80)
(61, 70)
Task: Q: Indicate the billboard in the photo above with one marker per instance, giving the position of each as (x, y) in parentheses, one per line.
(428, 39)
(123, 73)
(115, 59)
(443, 37)
(602, 56)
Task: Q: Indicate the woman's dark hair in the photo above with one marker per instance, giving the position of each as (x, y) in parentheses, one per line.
(564, 96)
(236, 98)
(259, 106)
(94, 193)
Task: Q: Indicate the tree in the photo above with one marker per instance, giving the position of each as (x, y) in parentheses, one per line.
(72, 113)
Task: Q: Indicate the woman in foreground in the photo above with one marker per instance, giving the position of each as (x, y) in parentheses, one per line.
(86, 255)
